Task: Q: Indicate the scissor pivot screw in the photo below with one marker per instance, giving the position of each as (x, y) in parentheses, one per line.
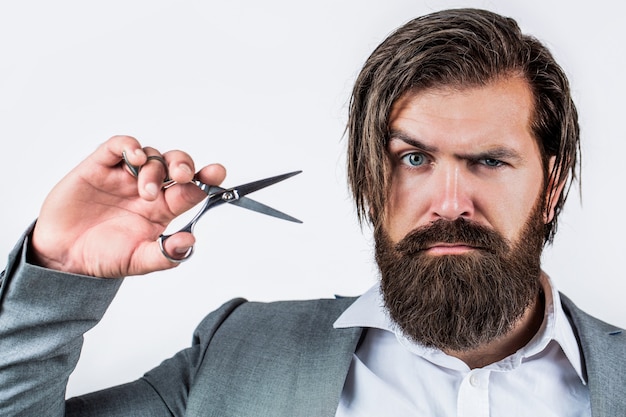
(230, 195)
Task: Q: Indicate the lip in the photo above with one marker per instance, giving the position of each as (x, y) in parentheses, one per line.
(449, 249)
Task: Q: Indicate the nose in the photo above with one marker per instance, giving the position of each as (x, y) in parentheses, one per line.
(452, 196)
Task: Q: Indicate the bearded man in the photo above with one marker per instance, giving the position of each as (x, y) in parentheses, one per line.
(463, 143)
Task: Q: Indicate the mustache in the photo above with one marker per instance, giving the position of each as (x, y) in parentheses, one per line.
(458, 231)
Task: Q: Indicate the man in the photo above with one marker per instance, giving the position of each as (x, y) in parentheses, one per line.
(463, 142)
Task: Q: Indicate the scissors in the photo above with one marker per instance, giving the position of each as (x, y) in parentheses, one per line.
(216, 196)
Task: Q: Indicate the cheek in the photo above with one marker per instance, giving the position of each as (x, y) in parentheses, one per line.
(509, 208)
(406, 205)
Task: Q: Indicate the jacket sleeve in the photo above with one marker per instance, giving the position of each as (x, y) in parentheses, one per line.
(43, 315)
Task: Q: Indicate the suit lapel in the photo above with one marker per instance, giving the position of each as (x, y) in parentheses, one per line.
(324, 373)
(604, 353)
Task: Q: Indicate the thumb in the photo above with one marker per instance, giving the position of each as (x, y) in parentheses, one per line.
(162, 254)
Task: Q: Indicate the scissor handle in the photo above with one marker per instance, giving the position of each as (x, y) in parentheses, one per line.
(223, 196)
(186, 256)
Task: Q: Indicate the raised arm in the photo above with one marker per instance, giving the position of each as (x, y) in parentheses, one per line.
(99, 221)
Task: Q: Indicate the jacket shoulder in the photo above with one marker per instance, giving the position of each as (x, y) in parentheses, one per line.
(279, 358)
(280, 316)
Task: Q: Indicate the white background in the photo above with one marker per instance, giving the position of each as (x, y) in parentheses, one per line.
(263, 87)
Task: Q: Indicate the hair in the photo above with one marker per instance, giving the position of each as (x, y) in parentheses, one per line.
(460, 48)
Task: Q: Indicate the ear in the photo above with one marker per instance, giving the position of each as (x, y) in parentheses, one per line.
(553, 191)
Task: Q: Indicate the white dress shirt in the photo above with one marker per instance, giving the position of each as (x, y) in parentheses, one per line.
(393, 376)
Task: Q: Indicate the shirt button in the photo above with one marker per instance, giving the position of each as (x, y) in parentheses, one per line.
(474, 381)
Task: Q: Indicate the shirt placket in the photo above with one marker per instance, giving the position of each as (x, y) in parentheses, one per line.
(473, 397)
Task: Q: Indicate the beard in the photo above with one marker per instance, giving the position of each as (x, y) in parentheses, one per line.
(460, 302)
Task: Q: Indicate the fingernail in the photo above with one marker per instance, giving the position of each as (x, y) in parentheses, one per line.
(152, 189)
(181, 251)
(186, 168)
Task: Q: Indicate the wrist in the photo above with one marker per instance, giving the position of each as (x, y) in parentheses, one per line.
(37, 255)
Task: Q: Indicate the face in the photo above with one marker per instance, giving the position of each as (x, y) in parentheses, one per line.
(463, 154)
(459, 252)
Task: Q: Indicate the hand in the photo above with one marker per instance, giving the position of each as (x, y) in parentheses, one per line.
(102, 221)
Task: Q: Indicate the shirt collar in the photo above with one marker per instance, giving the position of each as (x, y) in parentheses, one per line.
(368, 311)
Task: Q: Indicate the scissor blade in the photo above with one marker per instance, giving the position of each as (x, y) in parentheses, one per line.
(251, 187)
(247, 203)
(250, 204)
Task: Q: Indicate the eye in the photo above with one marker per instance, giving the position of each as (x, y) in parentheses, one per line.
(492, 162)
(414, 159)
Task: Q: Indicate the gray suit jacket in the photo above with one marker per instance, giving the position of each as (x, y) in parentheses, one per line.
(246, 359)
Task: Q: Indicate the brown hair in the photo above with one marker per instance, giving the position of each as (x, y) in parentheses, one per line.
(461, 48)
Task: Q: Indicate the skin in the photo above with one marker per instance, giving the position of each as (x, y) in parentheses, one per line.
(101, 221)
(467, 153)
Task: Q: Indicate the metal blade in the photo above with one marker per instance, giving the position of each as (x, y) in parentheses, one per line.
(248, 188)
(250, 204)
(251, 187)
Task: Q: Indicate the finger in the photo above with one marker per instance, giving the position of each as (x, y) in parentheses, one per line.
(213, 174)
(110, 152)
(177, 247)
(184, 196)
(152, 174)
(175, 165)
(149, 258)
(180, 166)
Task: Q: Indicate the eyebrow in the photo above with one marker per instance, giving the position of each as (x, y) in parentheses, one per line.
(503, 153)
(497, 152)
(398, 135)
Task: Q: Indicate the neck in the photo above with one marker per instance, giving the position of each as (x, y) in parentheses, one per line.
(519, 336)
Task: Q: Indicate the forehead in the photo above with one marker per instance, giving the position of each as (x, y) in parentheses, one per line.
(497, 113)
